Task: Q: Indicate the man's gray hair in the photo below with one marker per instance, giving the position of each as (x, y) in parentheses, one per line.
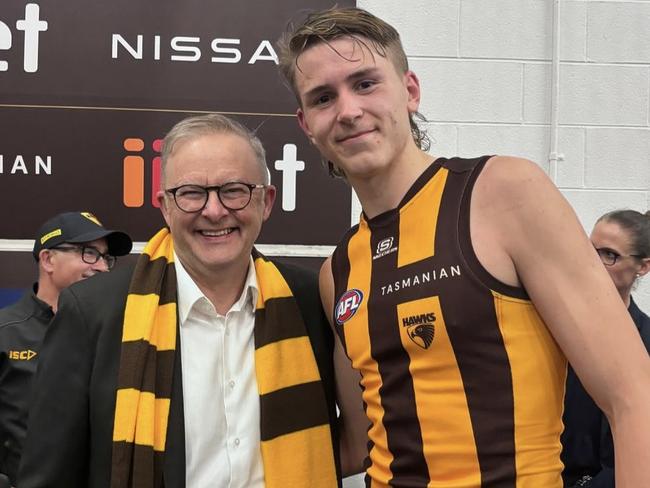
(200, 125)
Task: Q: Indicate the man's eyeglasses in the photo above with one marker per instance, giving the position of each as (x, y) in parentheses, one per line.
(609, 257)
(90, 255)
(233, 196)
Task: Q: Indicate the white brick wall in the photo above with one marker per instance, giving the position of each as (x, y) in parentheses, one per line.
(485, 71)
(486, 78)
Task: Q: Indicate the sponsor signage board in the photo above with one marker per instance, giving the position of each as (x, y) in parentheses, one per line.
(88, 89)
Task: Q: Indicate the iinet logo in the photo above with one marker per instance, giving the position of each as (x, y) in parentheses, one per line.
(134, 166)
(133, 187)
(32, 26)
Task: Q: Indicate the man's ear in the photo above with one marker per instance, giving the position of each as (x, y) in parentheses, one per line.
(645, 267)
(304, 126)
(412, 84)
(269, 200)
(163, 203)
(45, 257)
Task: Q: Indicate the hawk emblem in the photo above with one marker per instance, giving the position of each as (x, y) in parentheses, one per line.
(422, 334)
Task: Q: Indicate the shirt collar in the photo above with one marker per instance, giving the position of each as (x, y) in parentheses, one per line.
(33, 304)
(189, 293)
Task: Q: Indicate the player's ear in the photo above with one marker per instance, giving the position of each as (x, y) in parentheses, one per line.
(412, 84)
(304, 125)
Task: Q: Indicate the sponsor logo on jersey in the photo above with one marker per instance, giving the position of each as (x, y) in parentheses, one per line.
(22, 355)
(348, 305)
(420, 328)
(384, 247)
(421, 278)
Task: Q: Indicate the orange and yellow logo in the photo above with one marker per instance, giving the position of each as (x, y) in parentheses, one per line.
(133, 187)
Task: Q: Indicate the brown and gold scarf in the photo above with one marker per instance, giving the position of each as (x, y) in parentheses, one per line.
(296, 442)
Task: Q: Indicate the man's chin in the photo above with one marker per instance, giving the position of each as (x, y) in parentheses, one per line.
(214, 260)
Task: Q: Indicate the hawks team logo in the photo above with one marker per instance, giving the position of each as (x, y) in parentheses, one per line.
(348, 305)
(420, 328)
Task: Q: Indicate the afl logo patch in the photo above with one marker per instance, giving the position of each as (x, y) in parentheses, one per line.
(348, 305)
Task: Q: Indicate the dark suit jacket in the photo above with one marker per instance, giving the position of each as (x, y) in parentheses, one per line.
(70, 427)
(588, 446)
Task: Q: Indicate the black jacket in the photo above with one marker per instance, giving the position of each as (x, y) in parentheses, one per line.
(22, 327)
(69, 440)
(588, 446)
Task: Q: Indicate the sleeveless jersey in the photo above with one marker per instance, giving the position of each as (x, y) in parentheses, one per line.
(462, 381)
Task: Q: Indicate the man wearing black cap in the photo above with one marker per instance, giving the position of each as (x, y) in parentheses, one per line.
(69, 247)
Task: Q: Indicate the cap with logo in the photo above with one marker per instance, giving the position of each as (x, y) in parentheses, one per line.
(77, 228)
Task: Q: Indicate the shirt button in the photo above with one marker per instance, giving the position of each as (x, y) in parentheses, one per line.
(231, 384)
(237, 442)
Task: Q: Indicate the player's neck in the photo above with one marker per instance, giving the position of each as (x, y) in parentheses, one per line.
(384, 190)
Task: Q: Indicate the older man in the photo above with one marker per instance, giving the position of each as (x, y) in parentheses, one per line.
(207, 364)
(69, 247)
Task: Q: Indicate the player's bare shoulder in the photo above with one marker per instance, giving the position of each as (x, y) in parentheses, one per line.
(508, 198)
(509, 187)
(326, 287)
(507, 176)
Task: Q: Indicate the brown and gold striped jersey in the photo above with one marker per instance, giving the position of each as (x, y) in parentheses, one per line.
(462, 381)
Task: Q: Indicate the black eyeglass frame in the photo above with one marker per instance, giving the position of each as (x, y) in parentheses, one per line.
(218, 188)
(616, 256)
(96, 254)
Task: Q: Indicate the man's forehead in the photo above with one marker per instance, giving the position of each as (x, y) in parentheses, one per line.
(325, 63)
(204, 147)
(226, 153)
(353, 49)
(197, 138)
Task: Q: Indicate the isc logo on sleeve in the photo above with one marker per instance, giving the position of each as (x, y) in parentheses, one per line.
(22, 355)
(348, 305)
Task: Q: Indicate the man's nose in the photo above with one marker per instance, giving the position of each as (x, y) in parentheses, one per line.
(349, 108)
(213, 207)
(100, 266)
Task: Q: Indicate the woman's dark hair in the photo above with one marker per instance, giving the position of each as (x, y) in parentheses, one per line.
(637, 224)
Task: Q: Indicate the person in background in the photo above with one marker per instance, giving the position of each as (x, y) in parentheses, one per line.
(204, 365)
(622, 240)
(69, 247)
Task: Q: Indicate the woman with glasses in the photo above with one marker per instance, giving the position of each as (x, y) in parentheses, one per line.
(622, 240)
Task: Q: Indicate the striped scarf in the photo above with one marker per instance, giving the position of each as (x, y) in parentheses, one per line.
(296, 442)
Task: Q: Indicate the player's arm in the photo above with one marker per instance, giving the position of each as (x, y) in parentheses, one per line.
(353, 423)
(528, 219)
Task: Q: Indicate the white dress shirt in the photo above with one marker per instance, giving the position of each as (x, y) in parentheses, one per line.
(220, 397)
